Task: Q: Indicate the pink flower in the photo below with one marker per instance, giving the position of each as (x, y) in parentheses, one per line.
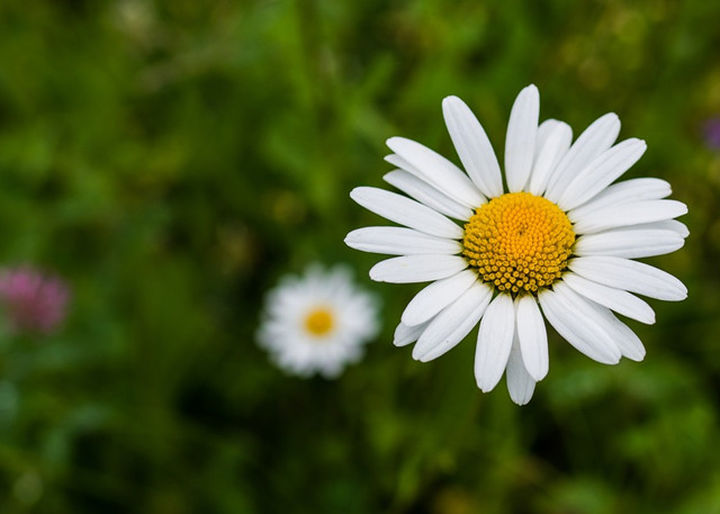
(711, 131)
(33, 301)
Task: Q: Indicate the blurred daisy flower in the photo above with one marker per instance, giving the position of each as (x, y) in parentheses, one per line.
(317, 323)
(556, 239)
(32, 301)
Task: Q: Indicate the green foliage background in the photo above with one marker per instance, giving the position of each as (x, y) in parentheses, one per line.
(173, 159)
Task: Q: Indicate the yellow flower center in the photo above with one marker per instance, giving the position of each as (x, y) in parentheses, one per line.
(319, 321)
(519, 242)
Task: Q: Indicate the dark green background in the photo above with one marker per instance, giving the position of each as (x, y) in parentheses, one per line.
(173, 159)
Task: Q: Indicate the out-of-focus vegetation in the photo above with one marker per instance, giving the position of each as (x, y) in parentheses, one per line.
(172, 159)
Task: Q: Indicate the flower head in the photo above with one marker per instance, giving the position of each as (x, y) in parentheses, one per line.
(33, 302)
(711, 130)
(317, 323)
(555, 238)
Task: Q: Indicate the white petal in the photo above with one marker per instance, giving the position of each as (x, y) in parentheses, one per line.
(543, 132)
(431, 180)
(597, 138)
(549, 150)
(494, 342)
(406, 212)
(472, 146)
(417, 268)
(399, 241)
(633, 276)
(532, 336)
(437, 171)
(519, 382)
(404, 335)
(666, 226)
(601, 172)
(628, 342)
(674, 225)
(618, 300)
(520, 139)
(627, 191)
(427, 194)
(449, 327)
(629, 243)
(436, 296)
(615, 216)
(575, 320)
(401, 163)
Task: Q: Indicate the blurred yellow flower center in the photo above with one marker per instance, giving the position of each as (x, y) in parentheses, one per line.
(519, 242)
(319, 321)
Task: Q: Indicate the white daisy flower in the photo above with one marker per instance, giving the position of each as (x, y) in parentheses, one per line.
(556, 239)
(317, 323)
